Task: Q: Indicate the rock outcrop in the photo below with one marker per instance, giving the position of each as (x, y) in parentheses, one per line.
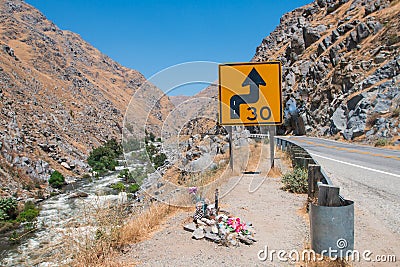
(341, 63)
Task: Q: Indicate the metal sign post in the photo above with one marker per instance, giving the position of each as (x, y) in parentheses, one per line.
(229, 128)
(272, 144)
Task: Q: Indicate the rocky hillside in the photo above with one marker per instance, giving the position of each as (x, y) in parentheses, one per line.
(341, 63)
(59, 98)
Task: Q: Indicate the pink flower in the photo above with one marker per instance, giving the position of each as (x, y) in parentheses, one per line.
(192, 190)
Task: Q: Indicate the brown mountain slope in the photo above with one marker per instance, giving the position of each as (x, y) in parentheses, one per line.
(341, 63)
(59, 97)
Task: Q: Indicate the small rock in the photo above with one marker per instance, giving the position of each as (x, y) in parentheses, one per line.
(199, 222)
(65, 165)
(207, 221)
(212, 237)
(214, 229)
(198, 234)
(78, 195)
(191, 227)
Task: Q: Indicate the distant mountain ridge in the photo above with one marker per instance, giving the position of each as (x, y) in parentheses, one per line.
(59, 98)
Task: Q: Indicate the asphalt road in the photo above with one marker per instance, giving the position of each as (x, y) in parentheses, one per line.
(370, 177)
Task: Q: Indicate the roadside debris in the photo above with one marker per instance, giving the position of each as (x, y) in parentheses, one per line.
(222, 228)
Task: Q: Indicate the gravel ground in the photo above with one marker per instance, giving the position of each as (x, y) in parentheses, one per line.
(277, 216)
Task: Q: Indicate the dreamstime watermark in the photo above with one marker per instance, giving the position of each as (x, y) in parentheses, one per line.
(309, 255)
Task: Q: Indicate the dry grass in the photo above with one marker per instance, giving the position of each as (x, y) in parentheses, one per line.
(142, 227)
(285, 158)
(274, 172)
(98, 236)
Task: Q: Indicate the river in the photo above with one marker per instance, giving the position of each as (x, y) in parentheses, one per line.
(57, 214)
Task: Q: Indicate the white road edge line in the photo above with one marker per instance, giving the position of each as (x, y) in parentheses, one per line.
(355, 165)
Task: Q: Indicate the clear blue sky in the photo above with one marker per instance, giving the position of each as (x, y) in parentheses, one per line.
(150, 35)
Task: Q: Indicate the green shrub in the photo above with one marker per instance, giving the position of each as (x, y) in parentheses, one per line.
(133, 188)
(382, 142)
(3, 215)
(296, 181)
(8, 208)
(103, 158)
(120, 187)
(29, 214)
(151, 150)
(56, 180)
(159, 160)
(124, 174)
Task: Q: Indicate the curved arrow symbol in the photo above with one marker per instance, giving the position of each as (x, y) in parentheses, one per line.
(254, 79)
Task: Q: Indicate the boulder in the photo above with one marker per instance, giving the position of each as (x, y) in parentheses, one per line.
(78, 195)
(375, 26)
(321, 3)
(352, 103)
(351, 41)
(297, 45)
(339, 120)
(312, 34)
(334, 55)
(362, 32)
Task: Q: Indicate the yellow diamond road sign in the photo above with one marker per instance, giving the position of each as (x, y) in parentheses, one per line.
(250, 93)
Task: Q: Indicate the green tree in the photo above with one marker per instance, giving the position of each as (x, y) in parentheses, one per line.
(29, 214)
(56, 180)
(120, 187)
(133, 188)
(104, 157)
(159, 160)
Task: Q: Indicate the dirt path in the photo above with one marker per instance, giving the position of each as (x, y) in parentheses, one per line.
(276, 215)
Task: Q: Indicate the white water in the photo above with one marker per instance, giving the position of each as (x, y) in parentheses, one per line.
(58, 214)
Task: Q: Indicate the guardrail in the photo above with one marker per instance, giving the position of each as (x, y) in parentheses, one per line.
(331, 216)
(260, 136)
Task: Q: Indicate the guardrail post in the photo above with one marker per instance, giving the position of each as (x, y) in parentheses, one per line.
(306, 161)
(277, 143)
(284, 145)
(296, 162)
(328, 196)
(314, 175)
